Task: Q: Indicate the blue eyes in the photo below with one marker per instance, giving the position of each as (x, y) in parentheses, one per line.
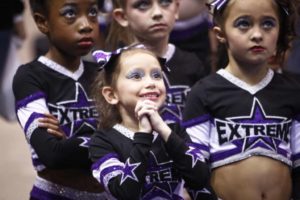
(94, 11)
(242, 24)
(246, 23)
(70, 12)
(146, 4)
(269, 24)
(139, 74)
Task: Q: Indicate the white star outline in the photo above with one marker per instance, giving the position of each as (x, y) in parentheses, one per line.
(179, 107)
(131, 175)
(74, 101)
(195, 193)
(195, 157)
(158, 189)
(259, 140)
(247, 145)
(85, 141)
(256, 102)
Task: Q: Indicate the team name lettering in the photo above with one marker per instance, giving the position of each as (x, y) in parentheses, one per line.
(176, 98)
(228, 131)
(67, 115)
(162, 175)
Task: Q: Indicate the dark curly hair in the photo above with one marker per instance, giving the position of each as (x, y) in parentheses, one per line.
(39, 6)
(287, 16)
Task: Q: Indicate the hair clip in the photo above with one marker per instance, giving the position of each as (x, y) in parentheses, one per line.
(285, 9)
(217, 4)
(104, 59)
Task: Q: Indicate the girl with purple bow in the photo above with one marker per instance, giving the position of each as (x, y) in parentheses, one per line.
(136, 155)
(245, 118)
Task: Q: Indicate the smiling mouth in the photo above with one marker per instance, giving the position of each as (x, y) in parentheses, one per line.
(150, 96)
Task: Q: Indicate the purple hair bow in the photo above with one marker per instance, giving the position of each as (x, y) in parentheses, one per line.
(218, 4)
(103, 57)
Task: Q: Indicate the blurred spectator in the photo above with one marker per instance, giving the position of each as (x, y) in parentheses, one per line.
(293, 61)
(192, 31)
(12, 32)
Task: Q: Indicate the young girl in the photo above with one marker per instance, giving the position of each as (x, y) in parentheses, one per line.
(150, 23)
(136, 155)
(56, 85)
(246, 116)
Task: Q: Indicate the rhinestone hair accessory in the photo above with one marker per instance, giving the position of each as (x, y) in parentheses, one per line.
(217, 5)
(104, 59)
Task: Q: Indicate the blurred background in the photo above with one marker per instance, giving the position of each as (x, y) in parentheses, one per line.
(16, 172)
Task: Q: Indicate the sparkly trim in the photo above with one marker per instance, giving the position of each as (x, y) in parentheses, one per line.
(130, 134)
(61, 69)
(170, 52)
(124, 131)
(249, 154)
(66, 192)
(105, 180)
(252, 89)
(34, 125)
(296, 164)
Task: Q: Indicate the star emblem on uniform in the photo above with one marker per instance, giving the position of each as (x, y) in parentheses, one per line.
(157, 192)
(257, 116)
(162, 190)
(172, 110)
(85, 141)
(195, 194)
(128, 171)
(262, 142)
(71, 123)
(159, 188)
(195, 153)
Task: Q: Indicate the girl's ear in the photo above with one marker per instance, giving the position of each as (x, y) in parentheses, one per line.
(110, 95)
(41, 22)
(120, 16)
(177, 9)
(219, 34)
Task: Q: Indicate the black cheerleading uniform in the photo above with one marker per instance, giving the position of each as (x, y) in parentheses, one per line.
(192, 35)
(185, 70)
(231, 120)
(63, 167)
(142, 166)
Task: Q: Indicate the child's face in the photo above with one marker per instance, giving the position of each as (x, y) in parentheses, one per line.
(151, 20)
(140, 77)
(72, 26)
(251, 31)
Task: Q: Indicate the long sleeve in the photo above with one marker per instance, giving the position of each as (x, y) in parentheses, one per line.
(120, 177)
(189, 161)
(34, 93)
(58, 153)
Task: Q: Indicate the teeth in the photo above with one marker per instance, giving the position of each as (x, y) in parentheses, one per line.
(151, 95)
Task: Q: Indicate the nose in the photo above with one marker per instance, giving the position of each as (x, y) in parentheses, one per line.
(257, 34)
(150, 83)
(85, 25)
(157, 11)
